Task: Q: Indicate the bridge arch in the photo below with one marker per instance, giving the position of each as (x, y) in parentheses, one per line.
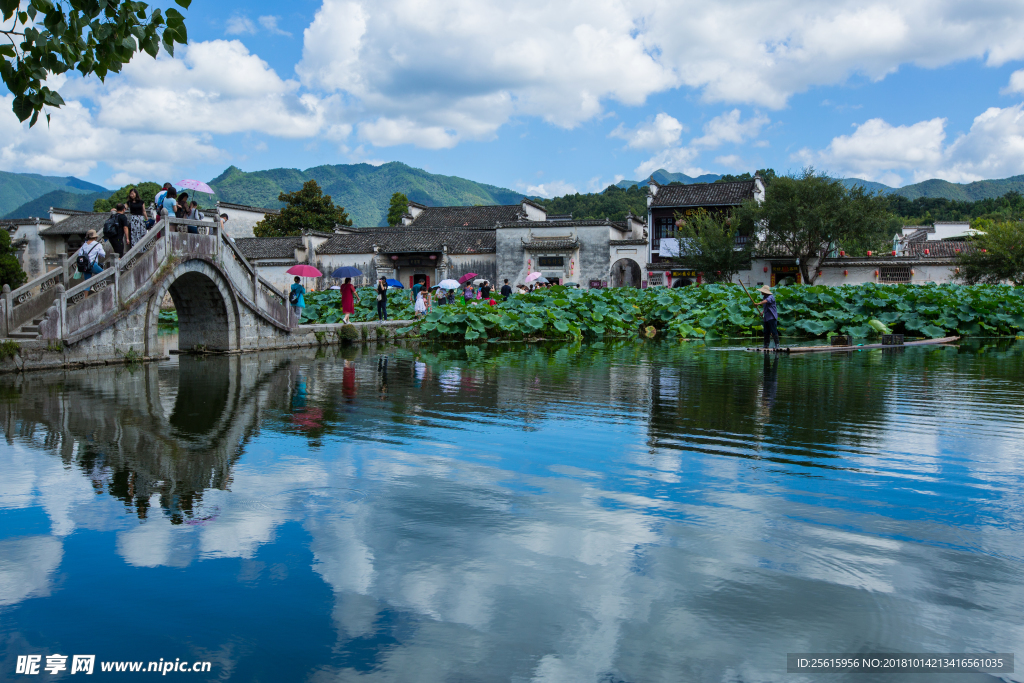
(208, 314)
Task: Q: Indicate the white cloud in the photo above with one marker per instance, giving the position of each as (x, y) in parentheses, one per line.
(662, 132)
(676, 160)
(729, 127)
(270, 24)
(239, 24)
(564, 62)
(555, 188)
(876, 150)
(159, 115)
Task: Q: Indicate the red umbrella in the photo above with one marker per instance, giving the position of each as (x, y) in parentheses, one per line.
(302, 270)
(467, 277)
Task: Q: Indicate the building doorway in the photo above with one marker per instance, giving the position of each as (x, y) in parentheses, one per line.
(420, 278)
(625, 273)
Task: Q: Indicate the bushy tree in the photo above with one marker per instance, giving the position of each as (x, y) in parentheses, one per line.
(998, 254)
(613, 203)
(767, 175)
(307, 209)
(11, 272)
(44, 38)
(147, 192)
(812, 215)
(399, 207)
(707, 243)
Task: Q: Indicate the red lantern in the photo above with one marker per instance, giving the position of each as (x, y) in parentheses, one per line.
(394, 258)
(876, 273)
(842, 253)
(433, 257)
(845, 273)
(912, 272)
(869, 253)
(718, 272)
(893, 252)
(766, 269)
(927, 252)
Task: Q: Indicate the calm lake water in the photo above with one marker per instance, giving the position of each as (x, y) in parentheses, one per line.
(608, 513)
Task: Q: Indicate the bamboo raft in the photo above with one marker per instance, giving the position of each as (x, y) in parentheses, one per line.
(819, 349)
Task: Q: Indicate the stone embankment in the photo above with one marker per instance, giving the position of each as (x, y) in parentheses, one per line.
(40, 354)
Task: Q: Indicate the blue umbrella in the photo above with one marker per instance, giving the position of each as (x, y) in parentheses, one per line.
(347, 271)
(395, 283)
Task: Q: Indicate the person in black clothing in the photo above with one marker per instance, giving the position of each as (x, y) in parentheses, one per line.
(506, 290)
(121, 237)
(382, 298)
(485, 290)
(136, 217)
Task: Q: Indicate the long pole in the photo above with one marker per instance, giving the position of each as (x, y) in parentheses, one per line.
(760, 312)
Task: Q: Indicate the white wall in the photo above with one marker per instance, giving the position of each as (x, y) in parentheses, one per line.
(241, 221)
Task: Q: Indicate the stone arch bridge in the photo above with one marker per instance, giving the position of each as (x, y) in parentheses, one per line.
(223, 304)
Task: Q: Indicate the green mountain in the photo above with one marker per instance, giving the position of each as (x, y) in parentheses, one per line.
(40, 206)
(16, 189)
(943, 189)
(663, 177)
(362, 189)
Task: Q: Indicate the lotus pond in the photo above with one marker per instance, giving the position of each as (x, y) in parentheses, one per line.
(710, 311)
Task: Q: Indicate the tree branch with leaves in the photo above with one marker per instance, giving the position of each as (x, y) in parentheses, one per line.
(51, 37)
(308, 209)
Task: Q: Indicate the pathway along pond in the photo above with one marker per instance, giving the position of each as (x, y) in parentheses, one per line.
(619, 512)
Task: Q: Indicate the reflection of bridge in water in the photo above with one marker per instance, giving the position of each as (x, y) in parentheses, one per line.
(167, 430)
(223, 304)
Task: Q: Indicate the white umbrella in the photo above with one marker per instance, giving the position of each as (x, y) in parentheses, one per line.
(448, 284)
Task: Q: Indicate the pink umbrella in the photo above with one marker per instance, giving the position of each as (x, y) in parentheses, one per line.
(531, 277)
(302, 270)
(466, 278)
(197, 185)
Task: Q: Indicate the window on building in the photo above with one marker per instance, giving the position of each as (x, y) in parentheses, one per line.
(664, 227)
(894, 274)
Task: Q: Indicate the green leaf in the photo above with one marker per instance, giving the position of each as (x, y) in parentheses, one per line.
(183, 3)
(561, 326)
(472, 334)
(933, 331)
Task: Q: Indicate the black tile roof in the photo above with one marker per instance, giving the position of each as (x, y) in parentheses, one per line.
(467, 216)
(244, 207)
(411, 240)
(704, 194)
(268, 247)
(582, 223)
(551, 245)
(78, 224)
(939, 249)
(622, 243)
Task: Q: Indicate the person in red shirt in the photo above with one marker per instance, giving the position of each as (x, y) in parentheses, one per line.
(348, 291)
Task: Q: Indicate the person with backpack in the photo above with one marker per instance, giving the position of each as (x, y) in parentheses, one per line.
(506, 290)
(87, 258)
(115, 230)
(297, 298)
(158, 201)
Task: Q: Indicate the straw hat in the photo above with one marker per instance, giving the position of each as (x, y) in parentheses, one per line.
(765, 290)
(91, 235)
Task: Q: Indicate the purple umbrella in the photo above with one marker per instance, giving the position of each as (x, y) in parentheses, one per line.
(197, 185)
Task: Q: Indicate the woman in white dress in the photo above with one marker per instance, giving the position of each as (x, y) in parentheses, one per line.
(420, 307)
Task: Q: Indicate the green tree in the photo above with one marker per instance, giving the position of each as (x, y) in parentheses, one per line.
(147, 192)
(307, 209)
(812, 215)
(707, 243)
(399, 207)
(10, 269)
(767, 175)
(998, 254)
(50, 37)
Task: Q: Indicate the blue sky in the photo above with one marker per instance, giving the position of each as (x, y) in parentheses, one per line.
(549, 98)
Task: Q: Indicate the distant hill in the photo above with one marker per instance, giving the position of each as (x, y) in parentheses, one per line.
(663, 177)
(943, 189)
(17, 189)
(363, 189)
(40, 206)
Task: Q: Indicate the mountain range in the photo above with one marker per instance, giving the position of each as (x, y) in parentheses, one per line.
(19, 189)
(365, 190)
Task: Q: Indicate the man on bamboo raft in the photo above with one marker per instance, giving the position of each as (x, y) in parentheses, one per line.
(771, 317)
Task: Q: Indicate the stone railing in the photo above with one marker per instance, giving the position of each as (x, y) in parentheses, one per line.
(31, 300)
(83, 309)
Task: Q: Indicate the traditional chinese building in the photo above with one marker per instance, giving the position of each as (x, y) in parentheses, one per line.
(667, 205)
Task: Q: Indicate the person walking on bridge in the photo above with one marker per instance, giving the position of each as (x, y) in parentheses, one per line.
(771, 317)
